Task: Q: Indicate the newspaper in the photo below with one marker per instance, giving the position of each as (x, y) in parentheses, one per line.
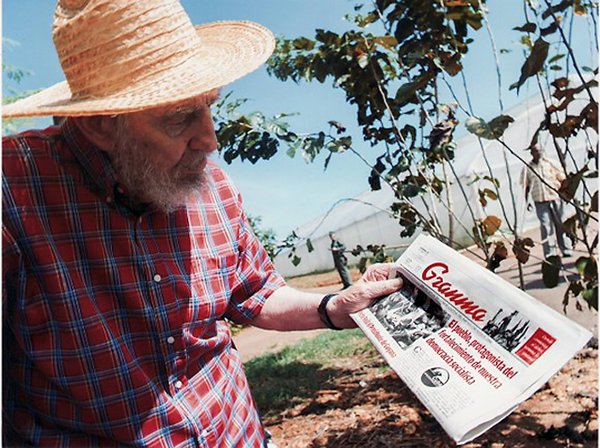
(468, 344)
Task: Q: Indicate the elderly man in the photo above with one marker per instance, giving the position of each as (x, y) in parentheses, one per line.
(543, 179)
(125, 247)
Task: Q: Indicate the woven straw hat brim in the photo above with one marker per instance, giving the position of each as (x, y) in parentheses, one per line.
(228, 51)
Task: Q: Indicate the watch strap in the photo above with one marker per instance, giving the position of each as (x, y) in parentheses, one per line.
(323, 312)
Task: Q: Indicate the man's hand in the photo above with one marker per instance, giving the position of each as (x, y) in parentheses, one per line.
(373, 284)
(290, 309)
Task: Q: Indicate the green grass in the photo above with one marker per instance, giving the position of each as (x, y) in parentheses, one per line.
(291, 376)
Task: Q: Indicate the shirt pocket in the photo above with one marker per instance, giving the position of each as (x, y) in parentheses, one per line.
(212, 281)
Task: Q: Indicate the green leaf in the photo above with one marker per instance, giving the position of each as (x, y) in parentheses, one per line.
(499, 124)
(527, 28)
(477, 126)
(406, 92)
(490, 131)
(345, 142)
(526, 41)
(302, 43)
(493, 180)
(590, 295)
(292, 148)
(587, 268)
(409, 190)
(296, 260)
(364, 21)
(551, 271)
(534, 63)
(556, 58)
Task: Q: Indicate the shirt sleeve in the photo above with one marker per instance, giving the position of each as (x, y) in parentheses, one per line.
(256, 277)
(524, 177)
(559, 174)
(11, 268)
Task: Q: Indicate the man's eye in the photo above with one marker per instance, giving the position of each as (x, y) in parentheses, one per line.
(174, 130)
(176, 126)
(179, 122)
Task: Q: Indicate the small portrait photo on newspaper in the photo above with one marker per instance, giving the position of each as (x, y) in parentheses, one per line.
(508, 328)
(409, 314)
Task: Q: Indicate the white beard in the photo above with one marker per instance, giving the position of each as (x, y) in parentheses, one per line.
(144, 182)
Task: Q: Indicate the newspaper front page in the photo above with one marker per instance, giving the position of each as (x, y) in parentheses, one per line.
(468, 344)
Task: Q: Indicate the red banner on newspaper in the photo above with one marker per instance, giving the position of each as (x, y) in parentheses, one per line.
(536, 346)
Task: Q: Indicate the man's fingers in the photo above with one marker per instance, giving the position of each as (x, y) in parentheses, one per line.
(358, 297)
(362, 294)
(377, 272)
(373, 290)
(375, 283)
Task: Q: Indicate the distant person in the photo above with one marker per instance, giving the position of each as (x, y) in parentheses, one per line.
(125, 248)
(548, 204)
(340, 260)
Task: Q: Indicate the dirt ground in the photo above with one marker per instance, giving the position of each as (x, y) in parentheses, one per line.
(363, 406)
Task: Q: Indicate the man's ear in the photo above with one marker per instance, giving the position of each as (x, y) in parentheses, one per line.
(101, 130)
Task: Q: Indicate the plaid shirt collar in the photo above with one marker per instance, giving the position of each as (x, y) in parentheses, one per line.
(94, 162)
(101, 176)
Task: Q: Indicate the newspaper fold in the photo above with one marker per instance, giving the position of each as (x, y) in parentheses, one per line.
(468, 344)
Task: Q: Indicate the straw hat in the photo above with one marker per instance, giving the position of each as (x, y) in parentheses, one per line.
(127, 55)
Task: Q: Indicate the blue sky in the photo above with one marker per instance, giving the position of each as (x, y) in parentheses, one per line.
(287, 192)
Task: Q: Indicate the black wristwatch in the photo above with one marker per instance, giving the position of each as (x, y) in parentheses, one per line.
(323, 312)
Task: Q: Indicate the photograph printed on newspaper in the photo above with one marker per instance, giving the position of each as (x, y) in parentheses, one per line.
(468, 344)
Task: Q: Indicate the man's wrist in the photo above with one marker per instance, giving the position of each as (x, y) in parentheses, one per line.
(324, 315)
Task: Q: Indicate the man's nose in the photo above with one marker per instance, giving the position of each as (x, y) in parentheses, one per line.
(203, 136)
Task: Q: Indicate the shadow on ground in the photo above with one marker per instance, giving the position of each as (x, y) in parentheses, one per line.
(278, 385)
(369, 407)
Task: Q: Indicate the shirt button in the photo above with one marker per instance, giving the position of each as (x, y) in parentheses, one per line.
(157, 278)
(109, 200)
(178, 384)
(171, 340)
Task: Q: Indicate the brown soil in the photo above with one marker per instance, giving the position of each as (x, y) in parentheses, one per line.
(364, 407)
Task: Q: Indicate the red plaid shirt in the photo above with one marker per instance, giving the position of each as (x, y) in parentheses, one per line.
(113, 317)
